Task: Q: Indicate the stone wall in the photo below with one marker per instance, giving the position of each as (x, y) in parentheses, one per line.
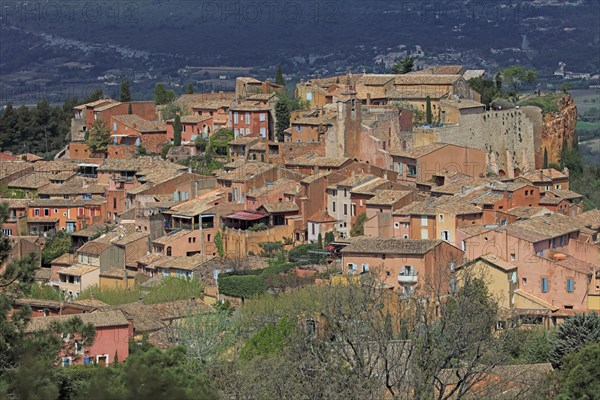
(514, 140)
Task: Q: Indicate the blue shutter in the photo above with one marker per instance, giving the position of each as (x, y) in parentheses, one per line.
(544, 285)
(570, 285)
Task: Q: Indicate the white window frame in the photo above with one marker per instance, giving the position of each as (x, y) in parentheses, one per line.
(263, 117)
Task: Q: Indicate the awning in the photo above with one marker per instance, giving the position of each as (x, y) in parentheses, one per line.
(246, 216)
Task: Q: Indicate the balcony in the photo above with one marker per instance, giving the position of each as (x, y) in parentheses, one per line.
(410, 279)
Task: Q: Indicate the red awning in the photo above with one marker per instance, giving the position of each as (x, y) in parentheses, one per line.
(246, 216)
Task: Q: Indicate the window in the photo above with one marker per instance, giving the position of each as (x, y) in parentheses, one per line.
(463, 245)
(235, 118)
(570, 285)
(114, 126)
(345, 209)
(263, 132)
(247, 118)
(236, 132)
(169, 250)
(423, 220)
(544, 285)
(7, 231)
(524, 280)
(46, 212)
(66, 361)
(114, 203)
(207, 238)
(56, 211)
(263, 117)
(333, 208)
(557, 186)
(412, 170)
(441, 216)
(396, 225)
(398, 168)
(405, 236)
(365, 268)
(513, 256)
(36, 212)
(309, 96)
(102, 360)
(445, 235)
(353, 209)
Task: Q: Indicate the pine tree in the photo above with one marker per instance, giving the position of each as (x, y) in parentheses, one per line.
(125, 92)
(403, 65)
(177, 131)
(545, 157)
(279, 76)
(190, 88)
(428, 113)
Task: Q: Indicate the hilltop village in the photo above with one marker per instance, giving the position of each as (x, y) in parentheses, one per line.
(406, 178)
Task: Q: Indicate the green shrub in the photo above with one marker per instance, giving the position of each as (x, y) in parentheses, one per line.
(45, 292)
(242, 285)
(268, 340)
(258, 227)
(172, 289)
(301, 251)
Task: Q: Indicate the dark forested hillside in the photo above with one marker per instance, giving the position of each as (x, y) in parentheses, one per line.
(42, 129)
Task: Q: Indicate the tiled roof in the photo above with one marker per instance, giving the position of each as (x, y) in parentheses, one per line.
(440, 70)
(387, 197)
(315, 121)
(15, 203)
(140, 124)
(93, 247)
(314, 177)
(35, 180)
(76, 186)
(354, 180)
(244, 106)
(139, 164)
(499, 262)
(267, 188)
(55, 166)
(285, 206)
(100, 319)
(590, 219)
(8, 168)
(183, 262)
(446, 204)
(425, 79)
(94, 103)
(390, 246)
(197, 206)
(565, 194)
(245, 173)
(244, 140)
(66, 258)
(577, 265)
(417, 152)
(543, 175)
(318, 161)
(78, 269)
(130, 238)
(542, 228)
(550, 200)
(321, 216)
(66, 202)
(523, 212)
(462, 104)
(153, 317)
(173, 235)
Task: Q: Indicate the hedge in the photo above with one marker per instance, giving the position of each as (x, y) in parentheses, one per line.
(242, 285)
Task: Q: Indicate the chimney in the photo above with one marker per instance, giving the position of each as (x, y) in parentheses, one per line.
(368, 99)
(566, 171)
(541, 174)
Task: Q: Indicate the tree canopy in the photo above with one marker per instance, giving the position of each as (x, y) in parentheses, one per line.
(403, 65)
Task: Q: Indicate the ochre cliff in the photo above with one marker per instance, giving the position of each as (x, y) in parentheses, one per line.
(556, 127)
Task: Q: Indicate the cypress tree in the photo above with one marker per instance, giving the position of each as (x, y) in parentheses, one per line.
(129, 109)
(428, 114)
(279, 76)
(545, 157)
(177, 131)
(190, 88)
(125, 92)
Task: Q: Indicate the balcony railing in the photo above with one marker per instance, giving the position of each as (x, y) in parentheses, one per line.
(407, 278)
